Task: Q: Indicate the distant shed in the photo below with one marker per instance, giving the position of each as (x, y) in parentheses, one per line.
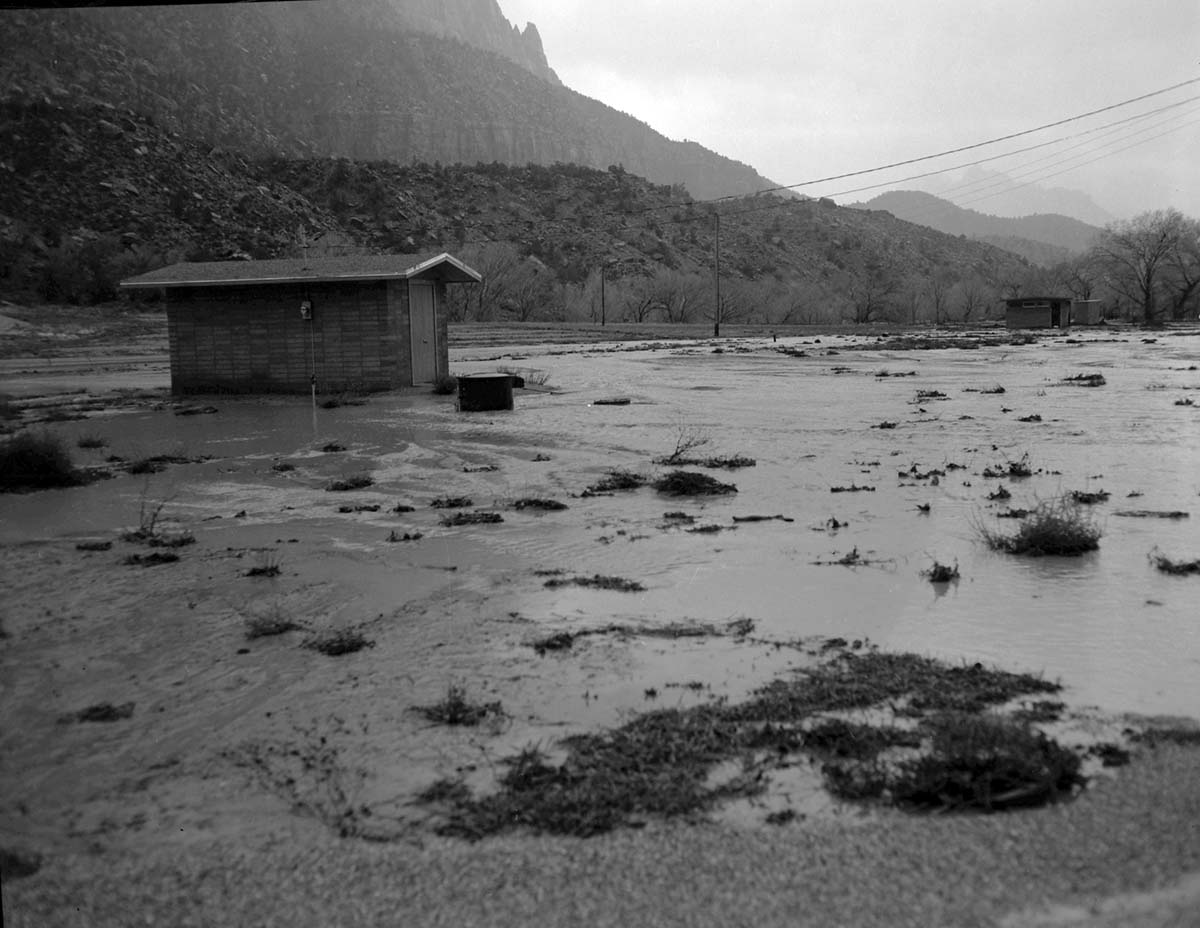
(1038, 312)
(347, 323)
(1086, 312)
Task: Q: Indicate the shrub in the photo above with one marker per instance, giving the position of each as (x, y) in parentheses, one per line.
(1055, 527)
(445, 385)
(90, 442)
(35, 461)
(691, 483)
(83, 272)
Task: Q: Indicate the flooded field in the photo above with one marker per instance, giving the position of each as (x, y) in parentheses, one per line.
(872, 464)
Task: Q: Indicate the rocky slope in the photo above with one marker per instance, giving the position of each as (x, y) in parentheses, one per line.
(401, 80)
(88, 175)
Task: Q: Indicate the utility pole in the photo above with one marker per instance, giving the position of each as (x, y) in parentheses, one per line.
(717, 274)
(602, 307)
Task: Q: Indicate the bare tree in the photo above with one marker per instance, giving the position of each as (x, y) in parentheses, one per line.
(871, 294)
(1135, 256)
(974, 296)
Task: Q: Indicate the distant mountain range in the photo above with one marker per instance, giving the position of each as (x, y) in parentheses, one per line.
(448, 81)
(1009, 196)
(1044, 239)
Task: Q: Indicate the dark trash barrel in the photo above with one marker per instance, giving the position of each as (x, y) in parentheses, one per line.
(485, 392)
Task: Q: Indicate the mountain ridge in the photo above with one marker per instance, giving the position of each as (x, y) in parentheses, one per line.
(1045, 238)
(344, 79)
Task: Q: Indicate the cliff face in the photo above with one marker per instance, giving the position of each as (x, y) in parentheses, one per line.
(400, 80)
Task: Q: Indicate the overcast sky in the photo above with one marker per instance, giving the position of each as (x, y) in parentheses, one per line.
(804, 89)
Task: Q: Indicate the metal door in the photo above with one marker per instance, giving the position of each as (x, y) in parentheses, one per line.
(422, 325)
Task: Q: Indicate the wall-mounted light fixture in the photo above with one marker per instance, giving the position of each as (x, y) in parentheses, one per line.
(306, 310)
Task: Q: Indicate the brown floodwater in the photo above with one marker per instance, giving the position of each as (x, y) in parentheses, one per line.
(1119, 634)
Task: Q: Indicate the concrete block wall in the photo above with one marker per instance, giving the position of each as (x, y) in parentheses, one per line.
(252, 338)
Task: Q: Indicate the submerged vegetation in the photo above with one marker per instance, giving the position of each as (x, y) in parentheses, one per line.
(955, 753)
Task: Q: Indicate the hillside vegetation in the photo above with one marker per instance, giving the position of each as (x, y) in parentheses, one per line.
(93, 194)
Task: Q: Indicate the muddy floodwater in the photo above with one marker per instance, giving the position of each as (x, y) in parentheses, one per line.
(907, 436)
(1120, 634)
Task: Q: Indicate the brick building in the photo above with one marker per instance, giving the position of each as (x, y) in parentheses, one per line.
(347, 323)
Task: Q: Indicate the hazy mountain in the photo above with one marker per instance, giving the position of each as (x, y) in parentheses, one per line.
(403, 80)
(1041, 238)
(1001, 195)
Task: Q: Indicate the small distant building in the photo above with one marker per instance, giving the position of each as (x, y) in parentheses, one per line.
(1086, 312)
(364, 323)
(1038, 312)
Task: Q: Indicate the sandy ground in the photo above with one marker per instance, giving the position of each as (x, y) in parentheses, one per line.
(183, 813)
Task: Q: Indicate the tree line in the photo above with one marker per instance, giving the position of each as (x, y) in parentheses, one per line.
(1145, 269)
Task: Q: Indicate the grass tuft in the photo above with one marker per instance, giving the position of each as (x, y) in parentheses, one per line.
(456, 708)
(1056, 527)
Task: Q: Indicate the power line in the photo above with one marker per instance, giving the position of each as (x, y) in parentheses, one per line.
(1003, 138)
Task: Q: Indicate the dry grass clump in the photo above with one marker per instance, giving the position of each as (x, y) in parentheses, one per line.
(153, 559)
(1085, 380)
(456, 708)
(597, 582)
(355, 482)
(36, 461)
(270, 624)
(1177, 568)
(691, 483)
(339, 642)
(616, 480)
(1056, 527)
(472, 518)
(546, 505)
(100, 712)
(941, 573)
(1011, 469)
(449, 502)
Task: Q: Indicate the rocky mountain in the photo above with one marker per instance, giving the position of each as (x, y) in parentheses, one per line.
(1043, 239)
(447, 81)
(107, 192)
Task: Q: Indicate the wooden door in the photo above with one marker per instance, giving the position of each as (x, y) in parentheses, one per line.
(422, 324)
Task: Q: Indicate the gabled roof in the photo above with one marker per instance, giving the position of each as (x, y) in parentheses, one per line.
(305, 270)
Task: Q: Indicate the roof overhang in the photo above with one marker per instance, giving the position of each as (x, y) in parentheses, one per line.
(444, 267)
